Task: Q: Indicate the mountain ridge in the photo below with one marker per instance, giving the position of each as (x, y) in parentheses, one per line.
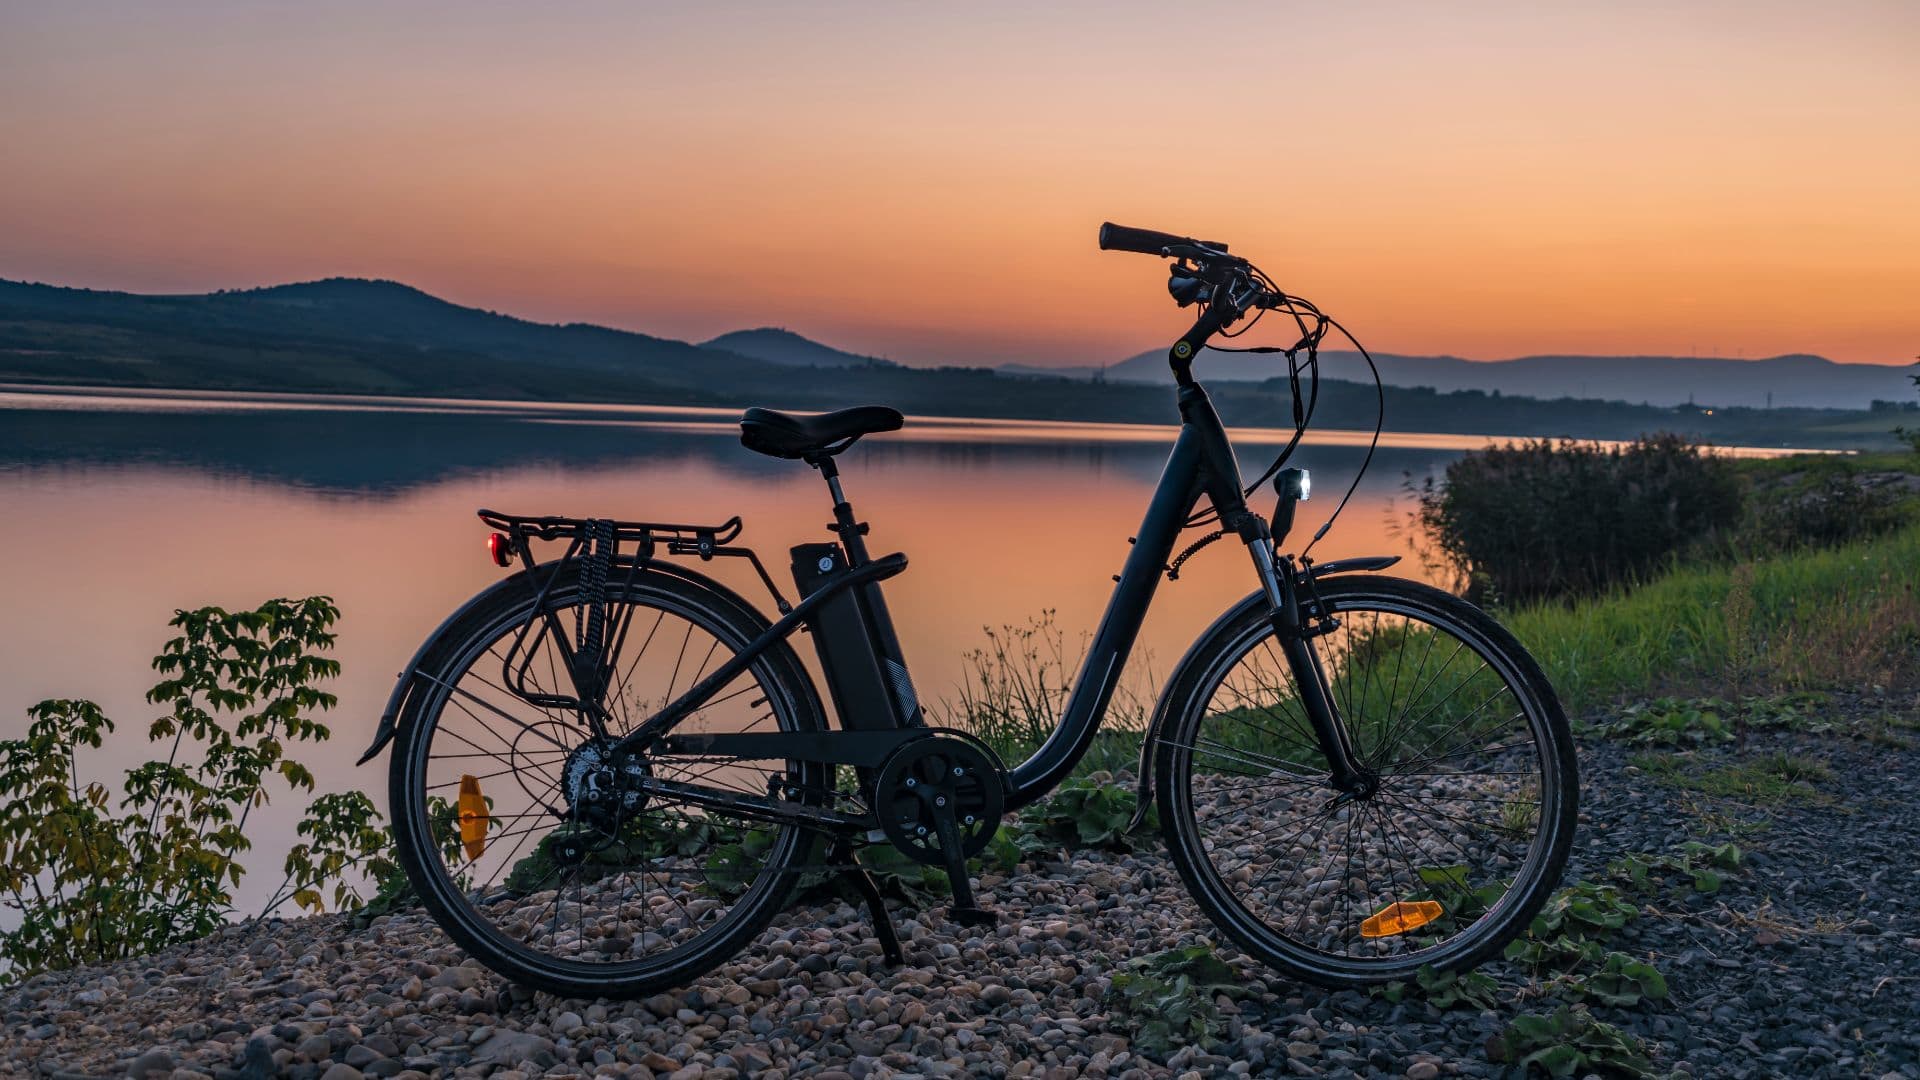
(365, 336)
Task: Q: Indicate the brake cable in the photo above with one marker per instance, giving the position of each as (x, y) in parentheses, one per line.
(1313, 325)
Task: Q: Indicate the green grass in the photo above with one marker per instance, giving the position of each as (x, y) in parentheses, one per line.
(1844, 617)
(1824, 465)
(1767, 780)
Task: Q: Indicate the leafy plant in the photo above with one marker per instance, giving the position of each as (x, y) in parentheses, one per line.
(94, 880)
(1701, 864)
(1585, 910)
(1668, 721)
(1621, 981)
(1570, 1042)
(343, 833)
(1168, 998)
(1447, 989)
(1091, 811)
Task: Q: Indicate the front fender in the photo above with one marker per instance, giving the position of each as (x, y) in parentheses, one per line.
(1202, 647)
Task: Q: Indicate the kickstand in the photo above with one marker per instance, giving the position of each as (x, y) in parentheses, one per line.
(842, 855)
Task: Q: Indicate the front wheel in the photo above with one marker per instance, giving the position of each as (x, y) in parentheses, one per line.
(1442, 861)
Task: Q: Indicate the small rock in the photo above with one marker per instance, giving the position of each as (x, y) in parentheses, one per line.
(1422, 1070)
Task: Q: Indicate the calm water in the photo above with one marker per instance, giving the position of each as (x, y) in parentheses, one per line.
(121, 509)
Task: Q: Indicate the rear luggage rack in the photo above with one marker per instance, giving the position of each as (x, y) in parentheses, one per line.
(596, 544)
(705, 541)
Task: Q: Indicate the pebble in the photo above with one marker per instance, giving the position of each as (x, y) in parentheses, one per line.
(318, 999)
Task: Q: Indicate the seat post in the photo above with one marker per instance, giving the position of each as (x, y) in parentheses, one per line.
(851, 531)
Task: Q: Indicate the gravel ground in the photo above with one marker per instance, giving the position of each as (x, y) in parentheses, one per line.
(1807, 963)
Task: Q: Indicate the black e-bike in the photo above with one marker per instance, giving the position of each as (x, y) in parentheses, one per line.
(609, 769)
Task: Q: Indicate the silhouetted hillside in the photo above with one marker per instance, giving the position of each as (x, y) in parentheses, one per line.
(338, 334)
(377, 337)
(777, 346)
(1797, 380)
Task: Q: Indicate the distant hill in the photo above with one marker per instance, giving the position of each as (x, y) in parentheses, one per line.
(340, 334)
(777, 346)
(1799, 380)
(345, 335)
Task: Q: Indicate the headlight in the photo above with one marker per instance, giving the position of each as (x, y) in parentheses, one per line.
(1296, 484)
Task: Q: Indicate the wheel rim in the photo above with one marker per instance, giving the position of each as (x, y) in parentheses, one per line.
(1419, 872)
(571, 886)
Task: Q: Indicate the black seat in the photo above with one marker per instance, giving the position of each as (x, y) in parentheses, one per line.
(785, 435)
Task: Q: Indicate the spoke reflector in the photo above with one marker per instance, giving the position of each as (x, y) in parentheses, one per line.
(473, 817)
(1400, 917)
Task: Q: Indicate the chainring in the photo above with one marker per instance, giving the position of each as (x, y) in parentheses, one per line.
(944, 771)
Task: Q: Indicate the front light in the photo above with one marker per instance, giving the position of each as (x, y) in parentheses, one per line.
(1306, 485)
(1295, 484)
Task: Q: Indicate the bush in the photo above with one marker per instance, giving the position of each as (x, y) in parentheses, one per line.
(93, 882)
(1836, 509)
(1549, 518)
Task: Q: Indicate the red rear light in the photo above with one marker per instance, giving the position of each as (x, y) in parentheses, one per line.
(500, 549)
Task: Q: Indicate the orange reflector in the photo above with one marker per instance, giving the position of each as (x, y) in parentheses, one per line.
(1400, 917)
(473, 817)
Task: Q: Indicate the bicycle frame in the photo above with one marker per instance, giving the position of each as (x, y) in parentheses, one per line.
(1201, 463)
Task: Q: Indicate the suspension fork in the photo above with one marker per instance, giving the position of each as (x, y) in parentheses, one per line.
(1281, 582)
(1278, 576)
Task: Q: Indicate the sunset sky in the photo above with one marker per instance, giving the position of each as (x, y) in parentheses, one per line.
(924, 181)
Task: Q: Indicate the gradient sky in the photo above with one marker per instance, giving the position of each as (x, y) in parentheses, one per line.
(924, 181)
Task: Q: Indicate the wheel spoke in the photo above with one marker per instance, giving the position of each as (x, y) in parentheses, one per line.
(1451, 803)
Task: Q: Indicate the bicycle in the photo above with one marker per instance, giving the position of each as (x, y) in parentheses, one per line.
(609, 769)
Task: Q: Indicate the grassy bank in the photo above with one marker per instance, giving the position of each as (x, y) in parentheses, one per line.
(1845, 617)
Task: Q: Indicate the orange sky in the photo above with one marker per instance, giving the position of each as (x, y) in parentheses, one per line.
(924, 181)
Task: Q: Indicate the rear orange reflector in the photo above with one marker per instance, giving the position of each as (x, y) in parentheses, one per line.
(1400, 917)
(473, 817)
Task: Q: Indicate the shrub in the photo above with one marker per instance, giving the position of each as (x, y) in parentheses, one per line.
(1549, 518)
(1836, 509)
(93, 881)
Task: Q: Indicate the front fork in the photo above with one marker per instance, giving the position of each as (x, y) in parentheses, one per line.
(1281, 580)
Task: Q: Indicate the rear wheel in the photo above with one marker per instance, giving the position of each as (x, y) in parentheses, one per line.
(1445, 859)
(526, 836)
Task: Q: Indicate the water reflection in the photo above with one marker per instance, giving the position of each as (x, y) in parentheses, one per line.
(119, 517)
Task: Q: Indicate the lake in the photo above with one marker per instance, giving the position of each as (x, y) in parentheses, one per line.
(123, 507)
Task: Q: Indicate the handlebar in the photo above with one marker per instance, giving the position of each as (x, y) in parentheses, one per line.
(1150, 242)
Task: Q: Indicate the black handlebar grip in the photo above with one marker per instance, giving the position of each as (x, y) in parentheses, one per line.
(1145, 241)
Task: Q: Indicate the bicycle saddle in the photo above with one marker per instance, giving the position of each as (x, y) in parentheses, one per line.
(785, 435)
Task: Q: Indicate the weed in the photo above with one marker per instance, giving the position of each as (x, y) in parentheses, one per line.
(1086, 812)
(1770, 779)
(1169, 997)
(1016, 688)
(1621, 981)
(1701, 865)
(1447, 989)
(1570, 1042)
